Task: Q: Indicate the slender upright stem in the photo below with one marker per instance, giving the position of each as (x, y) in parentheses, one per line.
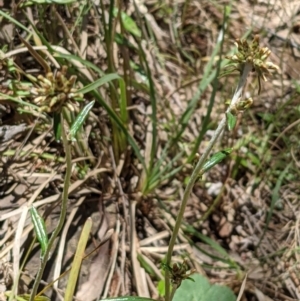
(62, 216)
(247, 68)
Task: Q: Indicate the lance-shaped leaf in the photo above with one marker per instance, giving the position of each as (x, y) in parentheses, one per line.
(215, 159)
(39, 229)
(231, 121)
(129, 23)
(80, 120)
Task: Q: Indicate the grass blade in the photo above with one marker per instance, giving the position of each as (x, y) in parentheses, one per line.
(78, 260)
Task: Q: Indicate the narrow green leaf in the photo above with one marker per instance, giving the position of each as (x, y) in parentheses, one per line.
(145, 265)
(26, 297)
(63, 1)
(31, 2)
(57, 126)
(215, 159)
(214, 69)
(121, 40)
(99, 82)
(103, 103)
(231, 121)
(80, 120)
(129, 23)
(123, 102)
(14, 21)
(215, 245)
(275, 199)
(39, 228)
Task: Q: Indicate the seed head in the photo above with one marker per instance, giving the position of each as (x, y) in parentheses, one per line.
(255, 55)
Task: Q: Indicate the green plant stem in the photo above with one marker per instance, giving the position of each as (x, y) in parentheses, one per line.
(247, 68)
(62, 216)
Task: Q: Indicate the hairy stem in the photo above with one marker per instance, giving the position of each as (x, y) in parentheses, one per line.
(195, 174)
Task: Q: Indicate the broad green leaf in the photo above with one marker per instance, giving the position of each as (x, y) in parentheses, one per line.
(128, 298)
(201, 290)
(231, 121)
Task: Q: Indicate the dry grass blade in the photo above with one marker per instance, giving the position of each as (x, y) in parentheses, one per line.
(39, 59)
(113, 260)
(99, 271)
(138, 272)
(63, 242)
(242, 289)
(78, 260)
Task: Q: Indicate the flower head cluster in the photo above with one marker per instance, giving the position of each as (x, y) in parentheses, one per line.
(52, 92)
(255, 55)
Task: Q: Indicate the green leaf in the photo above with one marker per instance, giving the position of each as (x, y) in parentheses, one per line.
(215, 245)
(100, 99)
(215, 159)
(268, 117)
(31, 2)
(77, 124)
(201, 290)
(128, 298)
(26, 297)
(57, 126)
(212, 71)
(231, 121)
(145, 265)
(275, 199)
(99, 82)
(128, 23)
(39, 229)
(13, 21)
(161, 288)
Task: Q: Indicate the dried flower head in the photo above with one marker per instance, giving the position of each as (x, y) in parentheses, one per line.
(52, 92)
(254, 54)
